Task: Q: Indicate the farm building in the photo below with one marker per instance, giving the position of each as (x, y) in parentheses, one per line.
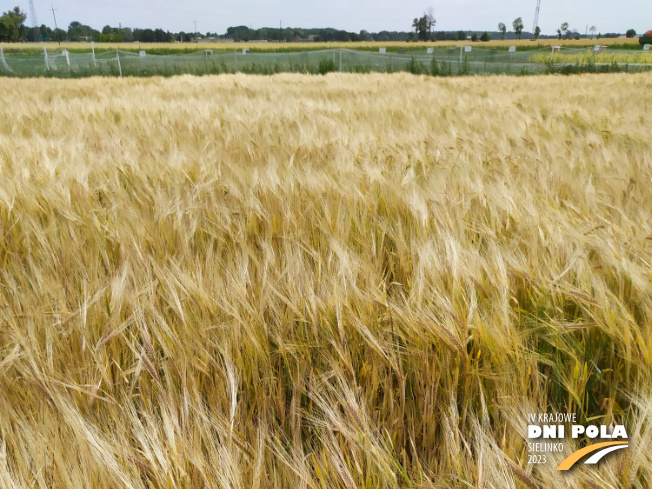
(646, 38)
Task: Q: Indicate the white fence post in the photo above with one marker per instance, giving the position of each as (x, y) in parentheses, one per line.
(45, 53)
(117, 56)
(93, 48)
(4, 61)
(65, 52)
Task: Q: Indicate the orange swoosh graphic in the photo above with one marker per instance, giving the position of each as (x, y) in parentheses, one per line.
(575, 456)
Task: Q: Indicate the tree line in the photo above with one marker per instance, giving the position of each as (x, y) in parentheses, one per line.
(14, 29)
(423, 30)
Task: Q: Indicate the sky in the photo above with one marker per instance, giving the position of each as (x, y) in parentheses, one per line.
(351, 15)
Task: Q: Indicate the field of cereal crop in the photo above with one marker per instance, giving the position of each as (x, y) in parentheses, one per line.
(298, 46)
(322, 281)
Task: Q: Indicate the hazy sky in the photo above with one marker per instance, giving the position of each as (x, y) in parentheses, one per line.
(216, 16)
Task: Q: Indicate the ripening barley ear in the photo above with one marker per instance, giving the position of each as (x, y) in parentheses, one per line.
(338, 281)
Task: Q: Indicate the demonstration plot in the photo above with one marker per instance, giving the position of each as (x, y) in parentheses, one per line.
(339, 281)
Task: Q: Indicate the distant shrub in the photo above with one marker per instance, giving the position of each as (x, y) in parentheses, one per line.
(110, 38)
(416, 68)
(326, 66)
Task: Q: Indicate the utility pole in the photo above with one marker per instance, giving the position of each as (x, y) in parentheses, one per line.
(195, 27)
(55, 25)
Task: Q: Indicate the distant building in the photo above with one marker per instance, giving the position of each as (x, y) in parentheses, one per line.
(311, 38)
(216, 40)
(646, 38)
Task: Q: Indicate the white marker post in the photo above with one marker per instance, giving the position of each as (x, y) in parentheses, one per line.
(512, 50)
(45, 54)
(4, 61)
(93, 49)
(382, 50)
(117, 57)
(466, 49)
(555, 49)
(65, 53)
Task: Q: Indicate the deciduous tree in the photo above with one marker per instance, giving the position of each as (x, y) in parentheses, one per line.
(564, 28)
(503, 29)
(423, 26)
(518, 26)
(12, 25)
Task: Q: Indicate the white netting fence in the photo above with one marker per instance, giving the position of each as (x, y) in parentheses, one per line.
(436, 61)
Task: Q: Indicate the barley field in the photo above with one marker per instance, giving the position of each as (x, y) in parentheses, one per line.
(640, 58)
(331, 281)
(302, 46)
